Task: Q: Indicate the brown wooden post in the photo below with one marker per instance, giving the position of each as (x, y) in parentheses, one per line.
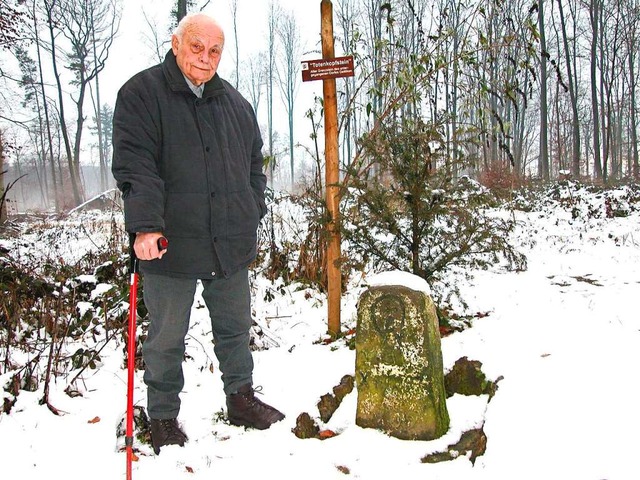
(332, 175)
(3, 194)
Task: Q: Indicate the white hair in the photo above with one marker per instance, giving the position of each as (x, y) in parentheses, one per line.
(189, 19)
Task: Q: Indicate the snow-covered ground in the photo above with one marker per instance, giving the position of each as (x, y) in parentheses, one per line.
(564, 335)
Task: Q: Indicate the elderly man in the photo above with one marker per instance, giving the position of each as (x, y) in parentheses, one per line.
(187, 157)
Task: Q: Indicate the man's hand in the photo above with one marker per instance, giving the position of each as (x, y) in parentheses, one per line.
(146, 246)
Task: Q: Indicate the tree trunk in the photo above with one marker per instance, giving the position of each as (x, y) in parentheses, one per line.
(3, 194)
(181, 10)
(346, 19)
(63, 125)
(234, 16)
(272, 22)
(544, 104)
(632, 112)
(288, 71)
(605, 95)
(595, 19)
(76, 175)
(572, 81)
(455, 147)
(98, 111)
(54, 182)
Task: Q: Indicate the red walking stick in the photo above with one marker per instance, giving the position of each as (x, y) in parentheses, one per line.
(131, 347)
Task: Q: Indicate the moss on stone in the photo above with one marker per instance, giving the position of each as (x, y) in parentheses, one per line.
(399, 371)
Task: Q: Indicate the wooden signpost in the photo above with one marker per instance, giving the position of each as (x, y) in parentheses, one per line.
(328, 69)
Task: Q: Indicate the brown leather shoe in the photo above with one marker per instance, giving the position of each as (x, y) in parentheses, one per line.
(244, 409)
(166, 432)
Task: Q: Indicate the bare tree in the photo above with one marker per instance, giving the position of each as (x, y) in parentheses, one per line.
(347, 13)
(632, 31)
(254, 78)
(33, 100)
(14, 18)
(48, 151)
(97, 106)
(456, 21)
(544, 104)
(272, 29)
(610, 61)
(52, 12)
(234, 16)
(501, 82)
(85, 23)
(595, 15)
(288, 70)
(3, 192)
(151, 37)
(572, 83)
(374, 12)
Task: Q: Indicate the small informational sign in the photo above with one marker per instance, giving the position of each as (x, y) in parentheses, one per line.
(327, 68)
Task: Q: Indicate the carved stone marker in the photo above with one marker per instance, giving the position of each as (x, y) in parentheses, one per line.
(399, 373)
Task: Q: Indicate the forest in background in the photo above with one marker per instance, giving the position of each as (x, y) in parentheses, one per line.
(503, 92)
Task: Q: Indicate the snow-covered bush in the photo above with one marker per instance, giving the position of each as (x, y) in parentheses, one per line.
(64, 288)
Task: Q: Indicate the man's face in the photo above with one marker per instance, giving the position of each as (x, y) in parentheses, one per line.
(198, 53)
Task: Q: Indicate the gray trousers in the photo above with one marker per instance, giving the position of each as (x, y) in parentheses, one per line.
(169, 301)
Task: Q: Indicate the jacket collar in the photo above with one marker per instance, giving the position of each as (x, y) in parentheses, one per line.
(177, 83)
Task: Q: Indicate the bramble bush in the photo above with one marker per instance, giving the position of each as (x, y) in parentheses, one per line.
(64, 292)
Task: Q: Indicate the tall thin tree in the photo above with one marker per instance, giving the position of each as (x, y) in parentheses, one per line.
(236, 43)
(287, 71)
(272, 27)
(595, 9)
(572, 85)
(544, 103)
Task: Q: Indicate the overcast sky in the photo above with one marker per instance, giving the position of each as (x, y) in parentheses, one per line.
(130, 54)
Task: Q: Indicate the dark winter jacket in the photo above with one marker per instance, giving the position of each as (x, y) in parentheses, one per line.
(190, 168)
